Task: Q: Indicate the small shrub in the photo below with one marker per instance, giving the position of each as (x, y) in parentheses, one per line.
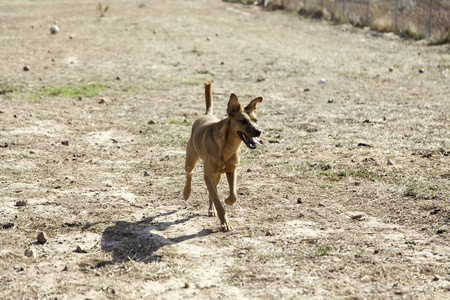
(383, 24)
(102, 11)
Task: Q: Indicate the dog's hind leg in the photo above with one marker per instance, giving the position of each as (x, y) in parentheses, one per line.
(191, 159)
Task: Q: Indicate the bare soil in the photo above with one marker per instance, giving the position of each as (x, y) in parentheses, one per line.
(348, 199)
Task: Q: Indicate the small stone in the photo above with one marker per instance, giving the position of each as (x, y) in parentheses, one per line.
(54, 29)
(146, 173)
(208, 38)
(321, 205)
(330, 101)
(299, 200)
(118, 78)
(435, 278)
(322, 80)
(102, 101)
(21, 203)
(65, 143)
(151, 122)
(199, 285)
(249, 170)
(30, 253)
(421, 71)
(80, 249)
(364, 145)
(26, 68)
(42, 238)
(7, 225)
(155, 31)
(71, 37)
(391, 69)
(356, 216)
(186, 285)
(390, 162)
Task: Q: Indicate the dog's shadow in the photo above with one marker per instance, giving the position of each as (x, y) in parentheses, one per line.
(137, 241)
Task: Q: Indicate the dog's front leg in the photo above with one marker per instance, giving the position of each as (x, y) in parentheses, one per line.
(212, 189)
(231, 176)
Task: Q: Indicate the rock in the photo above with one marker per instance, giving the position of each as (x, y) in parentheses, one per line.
(356, 216)
(391, 69)
(364, 145)
(208, 38)
(7, 225)
(65, 143)
(421, 71)
(54, 29)
(30, 253)
(199, 285)
(435, 278)
(299, 200)
(146, 173)
(322, 80)
(26, 68)
(186, 285)
(151, 122)
(21, 203)
(81, 249)
(390, 162)
(42, 238)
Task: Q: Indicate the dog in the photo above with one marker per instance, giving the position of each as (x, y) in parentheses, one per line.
(217, 143)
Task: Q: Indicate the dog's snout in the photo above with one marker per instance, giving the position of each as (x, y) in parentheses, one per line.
(257, 132)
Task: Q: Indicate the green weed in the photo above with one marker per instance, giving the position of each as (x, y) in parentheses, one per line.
(89, 90)
(323, 250)
(102, 11)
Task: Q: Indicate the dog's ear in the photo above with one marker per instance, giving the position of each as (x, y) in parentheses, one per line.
(252, 105)
(234, 105)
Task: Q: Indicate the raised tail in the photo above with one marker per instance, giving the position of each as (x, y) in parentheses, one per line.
(208, 97)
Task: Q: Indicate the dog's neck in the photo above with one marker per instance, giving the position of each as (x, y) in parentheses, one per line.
(232, 142)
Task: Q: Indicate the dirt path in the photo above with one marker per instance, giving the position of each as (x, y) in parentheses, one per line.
(93, 139)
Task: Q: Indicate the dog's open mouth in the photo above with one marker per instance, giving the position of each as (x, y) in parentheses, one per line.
(250, 142)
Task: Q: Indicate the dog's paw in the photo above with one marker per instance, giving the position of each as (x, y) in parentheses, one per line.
(230, 201)
(226, 226)
(212, 213)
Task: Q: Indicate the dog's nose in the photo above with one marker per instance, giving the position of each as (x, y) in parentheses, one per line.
(257, 132)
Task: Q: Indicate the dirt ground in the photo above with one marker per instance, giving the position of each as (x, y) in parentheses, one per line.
(347, 199)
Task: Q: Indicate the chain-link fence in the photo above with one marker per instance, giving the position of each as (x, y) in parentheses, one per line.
(424, 18)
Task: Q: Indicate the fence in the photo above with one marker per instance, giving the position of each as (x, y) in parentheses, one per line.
(425, 17)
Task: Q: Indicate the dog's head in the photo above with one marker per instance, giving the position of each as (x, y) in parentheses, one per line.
(243, 121)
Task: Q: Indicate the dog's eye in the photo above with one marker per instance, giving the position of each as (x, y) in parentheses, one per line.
(244, 121)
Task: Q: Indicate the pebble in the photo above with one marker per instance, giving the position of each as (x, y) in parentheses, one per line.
(322, 80)
(30, 253)
(65, 143)
(421, 71)
(26, 68)
(391, 69)
(21, 203)
(80, 249)
(356, 216)
(54, 29)
(390, 162)
(42, 238)
(7, 225)
(146, 173)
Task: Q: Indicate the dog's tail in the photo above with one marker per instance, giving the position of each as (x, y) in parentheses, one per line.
(208, 97)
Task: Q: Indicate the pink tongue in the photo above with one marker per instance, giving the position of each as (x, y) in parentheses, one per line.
(258, 141)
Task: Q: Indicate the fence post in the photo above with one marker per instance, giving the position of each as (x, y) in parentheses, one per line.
(396, 14)
(430, 23)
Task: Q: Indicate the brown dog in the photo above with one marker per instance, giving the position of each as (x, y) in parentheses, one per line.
(217, 143)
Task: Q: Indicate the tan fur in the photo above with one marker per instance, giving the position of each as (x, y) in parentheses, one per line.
(217, 143)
